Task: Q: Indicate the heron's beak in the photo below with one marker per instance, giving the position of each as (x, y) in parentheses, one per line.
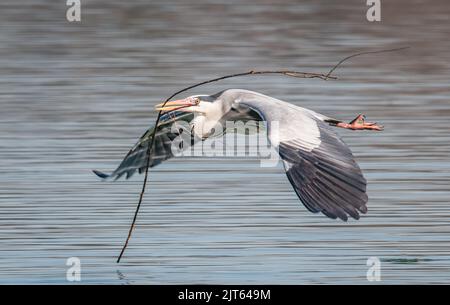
(175, 105)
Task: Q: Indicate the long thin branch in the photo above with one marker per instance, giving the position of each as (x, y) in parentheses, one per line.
(152, 141)
(252, 72)
(362, 53)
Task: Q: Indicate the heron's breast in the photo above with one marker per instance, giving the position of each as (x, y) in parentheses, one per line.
(204, 127)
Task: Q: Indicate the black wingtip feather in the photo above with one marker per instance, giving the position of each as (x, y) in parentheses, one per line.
(100, 174)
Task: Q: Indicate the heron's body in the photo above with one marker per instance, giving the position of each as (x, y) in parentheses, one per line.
(318, 164)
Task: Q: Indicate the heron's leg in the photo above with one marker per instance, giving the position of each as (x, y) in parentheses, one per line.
(358, 123)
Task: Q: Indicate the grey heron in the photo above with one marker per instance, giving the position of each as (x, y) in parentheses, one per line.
(318, 164)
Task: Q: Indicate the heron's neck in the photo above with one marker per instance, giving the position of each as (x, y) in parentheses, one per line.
(205, 123)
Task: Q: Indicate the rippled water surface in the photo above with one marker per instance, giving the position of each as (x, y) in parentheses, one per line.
(76, 96)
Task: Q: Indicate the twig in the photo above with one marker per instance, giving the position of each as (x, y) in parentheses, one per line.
(362, 53)
(150, 147)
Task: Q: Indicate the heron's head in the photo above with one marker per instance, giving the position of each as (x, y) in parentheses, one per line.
(197, 103)
(208, 110)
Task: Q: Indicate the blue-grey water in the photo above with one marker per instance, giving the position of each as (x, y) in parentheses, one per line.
(76, 96)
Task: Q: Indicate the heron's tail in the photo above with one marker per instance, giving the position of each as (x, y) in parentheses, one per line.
(100, 174)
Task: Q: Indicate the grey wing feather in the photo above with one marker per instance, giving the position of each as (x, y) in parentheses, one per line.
(136, 159)
(326, 179)
(318, 164)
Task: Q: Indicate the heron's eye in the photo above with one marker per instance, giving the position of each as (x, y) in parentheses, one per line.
(196, 100)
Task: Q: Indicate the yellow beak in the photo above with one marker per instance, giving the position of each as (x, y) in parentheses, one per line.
(174, 105)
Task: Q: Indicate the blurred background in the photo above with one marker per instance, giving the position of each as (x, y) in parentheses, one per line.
(75, 96)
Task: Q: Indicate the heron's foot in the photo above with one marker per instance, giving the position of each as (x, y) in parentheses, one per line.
(359, 123)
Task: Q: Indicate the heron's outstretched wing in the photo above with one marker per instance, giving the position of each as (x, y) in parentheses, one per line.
(319, 165)
(136, 159)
